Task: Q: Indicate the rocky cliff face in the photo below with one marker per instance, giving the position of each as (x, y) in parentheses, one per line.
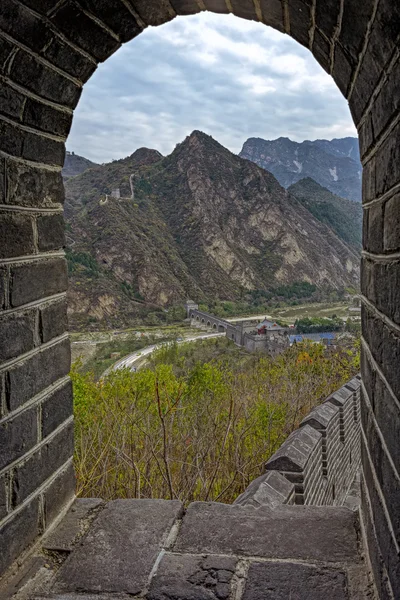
(333, 164)
(203, 223)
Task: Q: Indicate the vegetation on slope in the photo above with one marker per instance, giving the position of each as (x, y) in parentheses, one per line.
(200, 423)
(342, 215)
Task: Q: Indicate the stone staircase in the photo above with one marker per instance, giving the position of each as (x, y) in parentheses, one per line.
(157, 550)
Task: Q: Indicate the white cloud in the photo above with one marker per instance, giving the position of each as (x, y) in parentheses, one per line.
(229, 77)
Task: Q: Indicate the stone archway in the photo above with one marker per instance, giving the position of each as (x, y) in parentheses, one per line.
(48, 50)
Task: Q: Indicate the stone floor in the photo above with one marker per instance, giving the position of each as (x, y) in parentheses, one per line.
(154, 549)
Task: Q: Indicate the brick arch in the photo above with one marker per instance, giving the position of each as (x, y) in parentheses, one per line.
(48, 50)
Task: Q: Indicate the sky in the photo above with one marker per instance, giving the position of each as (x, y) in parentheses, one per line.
(228, 77)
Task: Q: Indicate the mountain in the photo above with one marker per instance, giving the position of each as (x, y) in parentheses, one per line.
(75, 165)
(333, 164)
(203, 223)
(343, 216)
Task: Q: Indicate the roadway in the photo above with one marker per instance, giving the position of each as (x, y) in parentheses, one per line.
(130, 361)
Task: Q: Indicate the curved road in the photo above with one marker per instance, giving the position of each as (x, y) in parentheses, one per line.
(130, 360)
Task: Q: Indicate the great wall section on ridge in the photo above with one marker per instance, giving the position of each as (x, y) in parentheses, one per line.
(48, 50)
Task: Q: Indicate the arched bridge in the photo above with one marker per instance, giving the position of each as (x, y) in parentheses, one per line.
(203, 319)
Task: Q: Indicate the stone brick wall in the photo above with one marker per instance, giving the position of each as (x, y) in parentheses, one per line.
(318, 462)
(48, 49)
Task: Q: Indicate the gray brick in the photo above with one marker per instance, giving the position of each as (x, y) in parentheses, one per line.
(51, 234)
(42, 464)
(108, 560)
(280, 581)
(56, 409)
(214, 528)
(53, 320)
(17, 229)
(45, 117)
(198, 578)
(36, 373)
(83, 31)
(18, 436)
(17, 333)
(3, 288)
(37, 280)
(38, 78)
(18, 533)
(58, 494)
(114, 14)
(3, 496)
(30, 186)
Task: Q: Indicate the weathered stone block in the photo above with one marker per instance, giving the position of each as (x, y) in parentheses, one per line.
(272, 12)
(42, 464)
(56, 409)
(36, 373)
(296, 451)
(387, 161)
(114, 14)
(109, 560)
(71, 528)
(153, 14)
(369, 185)
(343, 69)
(3, 496)
(321, 50)
(51, 234)
(45, 117)
(387, 544)
(31, 186)
(386, 410)
(384, 471)
(354, 27)
(18, 533)
(17, 229)
(214, 528)
(42, 80)
(44, 150)
(391, 224)
(58, 494)
(373, 225)
(217, 6)
(379, 570)
(53, 320)
(12, 139)
(280, 581)
(271, 489)
(18, 436)
(34, 34)
(300, 21)
(326, 16)
(83, 31)
(198, 578)
(3, 288)
(381, 285)
(6, 49)
(185, 7)
(41, 6)
(65, 57)
(37, 280)
(321, 417)
(244, 9)
(17, 334)
(11, 101)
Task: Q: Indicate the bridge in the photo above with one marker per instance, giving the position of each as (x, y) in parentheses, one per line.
(204, 319)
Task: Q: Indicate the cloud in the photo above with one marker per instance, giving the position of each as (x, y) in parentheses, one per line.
(226, 76)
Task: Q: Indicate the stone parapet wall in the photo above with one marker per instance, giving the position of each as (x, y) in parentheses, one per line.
(318, 462)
